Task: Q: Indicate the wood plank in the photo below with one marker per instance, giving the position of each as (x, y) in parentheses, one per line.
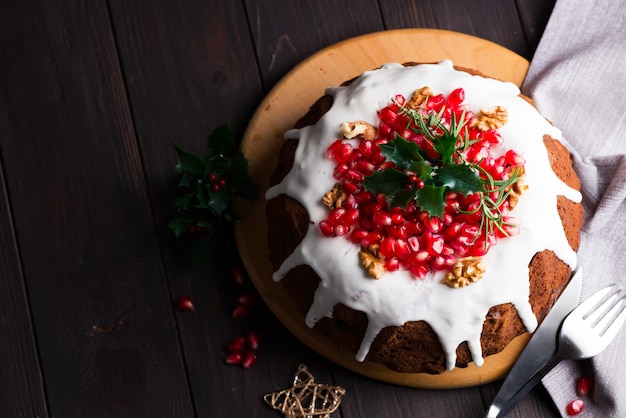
(494, 20)
(199, 71)
(534, 15)
(287, 32)
(21, 385)
(100, 301)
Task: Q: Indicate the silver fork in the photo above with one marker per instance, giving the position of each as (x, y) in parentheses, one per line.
(584, 333)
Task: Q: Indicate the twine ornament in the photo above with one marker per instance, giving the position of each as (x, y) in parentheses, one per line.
(305, 398)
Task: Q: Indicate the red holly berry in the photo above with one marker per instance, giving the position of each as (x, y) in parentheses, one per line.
(575, 407)
(185, 303)
(247, 299)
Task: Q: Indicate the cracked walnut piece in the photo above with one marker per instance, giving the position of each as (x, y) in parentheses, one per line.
(466, 271)
(419, 97)
(492, 118)
(358, 128)
(372, 262)
(335, 197)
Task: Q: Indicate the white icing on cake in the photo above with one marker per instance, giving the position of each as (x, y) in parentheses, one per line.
(455, 315)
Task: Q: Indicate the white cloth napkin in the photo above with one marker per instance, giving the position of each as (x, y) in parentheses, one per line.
(578, 81)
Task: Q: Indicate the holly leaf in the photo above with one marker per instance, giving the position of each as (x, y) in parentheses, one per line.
(389, 182)
(403, 198)
(431, 199)
(221, 140)
(179, 226)
(402, 152)
(445, 145)
(460, 178)
(422, 170)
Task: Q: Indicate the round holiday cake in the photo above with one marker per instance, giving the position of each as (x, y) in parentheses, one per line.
(422, 216)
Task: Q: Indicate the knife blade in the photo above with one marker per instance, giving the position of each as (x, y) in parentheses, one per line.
(540, 348)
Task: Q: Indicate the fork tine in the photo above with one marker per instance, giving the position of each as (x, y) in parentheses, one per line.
(602, 310)
(616, 317)
(590, 305)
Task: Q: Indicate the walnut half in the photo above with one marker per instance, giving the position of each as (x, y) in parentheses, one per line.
(358, 128)
(372, 262)
(492, 118)
(466, 271)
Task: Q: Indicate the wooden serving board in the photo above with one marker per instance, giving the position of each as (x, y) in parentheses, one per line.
(288, 101)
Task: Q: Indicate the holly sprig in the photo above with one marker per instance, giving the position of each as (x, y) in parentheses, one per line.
(442, 171)
(208, 185)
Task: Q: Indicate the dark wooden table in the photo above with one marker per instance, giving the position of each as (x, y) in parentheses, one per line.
(92, 95)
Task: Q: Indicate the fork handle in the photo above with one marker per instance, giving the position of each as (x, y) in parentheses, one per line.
(527, 387)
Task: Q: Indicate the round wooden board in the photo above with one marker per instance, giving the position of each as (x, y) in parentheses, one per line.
(287, 102)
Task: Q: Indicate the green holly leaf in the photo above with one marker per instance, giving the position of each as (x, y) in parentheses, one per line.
(189, 163)
(402, 152)
(445, 145)
(221, 140)
(179, 226)
(432, 199)
(403, 198)
(422, 169)
(389, 182)
(460, 178)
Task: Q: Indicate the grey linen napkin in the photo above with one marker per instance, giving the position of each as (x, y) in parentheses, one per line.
(578, 81)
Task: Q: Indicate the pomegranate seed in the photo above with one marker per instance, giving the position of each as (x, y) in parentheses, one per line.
(398, 231)
(456, 97)
(398, 98)
(336, 215)
(365, 148)
(388, 115)
(237, 275)
(237, 345)
(387, 247)
(351, 188)
(493, 137)
(341, 230)
(351, 216)
(434, 243)
(414, 243)
(327, 229)
(435, 102)
(185, 303)
(358, 234)
(584, 385)
(575, 407)
(402, 249)
(365, 167)
(247, 299)
(514, 159)
(371, 238)
(392, 264)
(234, 358)
(354, 175)
(340, 170)
(381, 218)
(241, 311)
(249, 358)
(252, 340)
(419, 271)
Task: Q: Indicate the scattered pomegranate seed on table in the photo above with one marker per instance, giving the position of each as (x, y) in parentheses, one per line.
(575, 407)
(584, 385)
(185, 303)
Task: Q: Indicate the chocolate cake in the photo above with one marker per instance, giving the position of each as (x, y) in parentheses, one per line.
(422, 216)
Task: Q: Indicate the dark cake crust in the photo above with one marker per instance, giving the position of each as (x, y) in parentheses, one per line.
(414, 347)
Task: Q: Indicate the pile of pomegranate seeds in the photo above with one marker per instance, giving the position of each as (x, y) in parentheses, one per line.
(242, 350)
(410, 238)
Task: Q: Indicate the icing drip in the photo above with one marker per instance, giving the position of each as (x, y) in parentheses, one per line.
(455, 315)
